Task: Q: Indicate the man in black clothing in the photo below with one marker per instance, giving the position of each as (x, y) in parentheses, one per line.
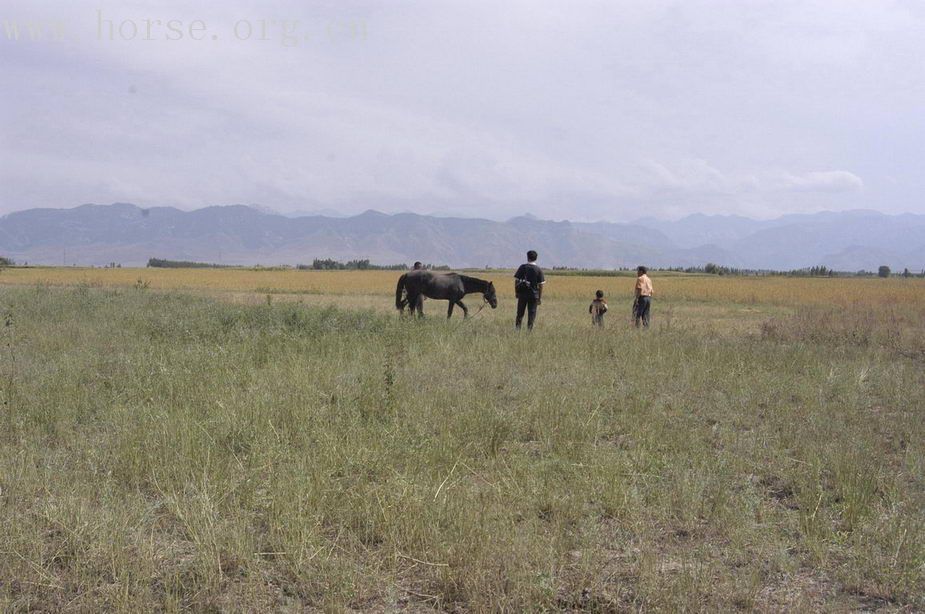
(528, 285)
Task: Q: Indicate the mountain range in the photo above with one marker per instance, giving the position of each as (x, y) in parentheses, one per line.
(238, 234)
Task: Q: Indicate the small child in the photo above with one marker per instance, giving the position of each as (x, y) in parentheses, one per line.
(598, 308)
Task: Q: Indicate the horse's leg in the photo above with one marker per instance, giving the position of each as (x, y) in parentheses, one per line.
(449, 310)
(419, 305)
(464, 308)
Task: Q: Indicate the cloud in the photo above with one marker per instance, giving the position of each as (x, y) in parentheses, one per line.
(820, 181)
(699, 176)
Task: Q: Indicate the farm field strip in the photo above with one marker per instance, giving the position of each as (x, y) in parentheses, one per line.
(780, 291)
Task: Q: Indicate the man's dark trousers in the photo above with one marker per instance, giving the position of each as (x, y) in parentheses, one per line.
(526, 304)
(643, 306)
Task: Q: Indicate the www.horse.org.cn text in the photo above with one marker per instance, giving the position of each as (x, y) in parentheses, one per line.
(115, 29)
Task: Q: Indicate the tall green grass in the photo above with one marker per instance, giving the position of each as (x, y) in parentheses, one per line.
(161, 451)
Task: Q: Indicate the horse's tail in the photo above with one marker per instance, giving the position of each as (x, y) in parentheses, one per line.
(399, 303)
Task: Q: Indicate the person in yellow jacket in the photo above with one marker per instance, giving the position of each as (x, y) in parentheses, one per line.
(642, 303)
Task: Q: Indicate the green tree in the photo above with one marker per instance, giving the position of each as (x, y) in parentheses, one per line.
(883, 271)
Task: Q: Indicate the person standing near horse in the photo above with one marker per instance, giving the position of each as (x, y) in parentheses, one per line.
(528, 285)
(417, 266)
(642, 303)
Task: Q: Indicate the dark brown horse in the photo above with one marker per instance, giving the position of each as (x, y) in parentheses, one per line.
(450, 287)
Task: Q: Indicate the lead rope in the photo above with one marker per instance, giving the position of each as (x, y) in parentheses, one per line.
(482, 306)
(472, 317)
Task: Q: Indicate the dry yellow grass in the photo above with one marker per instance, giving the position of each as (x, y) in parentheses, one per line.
(167, 452)
(781, 291)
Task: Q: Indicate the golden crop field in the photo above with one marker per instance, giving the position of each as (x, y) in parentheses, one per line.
(780, 291)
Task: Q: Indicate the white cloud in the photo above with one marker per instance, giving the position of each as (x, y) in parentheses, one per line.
(819, 181)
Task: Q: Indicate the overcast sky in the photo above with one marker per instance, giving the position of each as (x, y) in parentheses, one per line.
(579, 110)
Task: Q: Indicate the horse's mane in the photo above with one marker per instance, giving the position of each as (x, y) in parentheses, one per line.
(474, 281)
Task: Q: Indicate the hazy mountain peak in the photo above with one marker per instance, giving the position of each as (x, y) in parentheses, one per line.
(264, 209)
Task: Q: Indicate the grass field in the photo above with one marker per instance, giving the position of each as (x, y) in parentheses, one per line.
(280, 440)
(783, 291)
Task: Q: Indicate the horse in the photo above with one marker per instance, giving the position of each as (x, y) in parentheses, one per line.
(450, 287)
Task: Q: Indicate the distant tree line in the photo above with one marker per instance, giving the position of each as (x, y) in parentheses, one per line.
(160, 263)
(711, 268)
(318, 264)
(813, 271)
(708, 269)
(716, 269)
(327, 264)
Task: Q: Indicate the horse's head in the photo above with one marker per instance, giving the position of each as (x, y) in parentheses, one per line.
(490, 295)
